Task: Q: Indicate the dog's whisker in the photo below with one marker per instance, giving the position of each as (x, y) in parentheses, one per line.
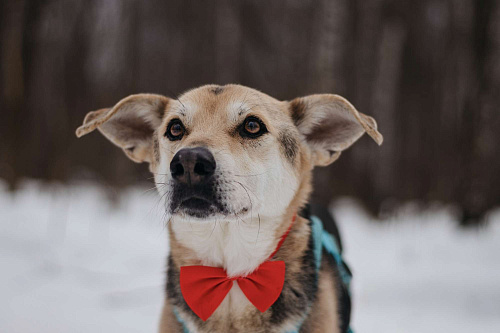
(165, 225)
(164, 213)
(258, 230)
(158, 174)
(238, 224)
(215, 225)
(245, 188)
(252, 175)
(250, 199)
(155, 205)
(159, 200)
(177, 98)
(149, 190)
(239, 217)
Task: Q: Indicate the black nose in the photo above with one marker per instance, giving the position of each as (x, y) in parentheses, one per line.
(192, 165)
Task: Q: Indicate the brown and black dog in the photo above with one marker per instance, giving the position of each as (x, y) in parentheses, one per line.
(233, 166)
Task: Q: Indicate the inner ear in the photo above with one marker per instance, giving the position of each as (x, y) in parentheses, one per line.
(330, 124)
(128, 129)
(130, 124)
(335, 132)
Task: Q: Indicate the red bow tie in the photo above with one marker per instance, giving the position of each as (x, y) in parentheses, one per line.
(205, 287)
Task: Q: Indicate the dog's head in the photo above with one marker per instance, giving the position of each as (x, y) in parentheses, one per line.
(231, 151)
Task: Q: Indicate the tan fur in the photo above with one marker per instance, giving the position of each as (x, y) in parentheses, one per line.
(212, 129)
(211, 116)
(321, 319)
(168, 322)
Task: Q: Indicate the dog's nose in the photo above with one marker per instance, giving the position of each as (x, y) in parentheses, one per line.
(192, 165)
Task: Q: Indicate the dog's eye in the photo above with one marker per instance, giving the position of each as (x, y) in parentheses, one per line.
(175, 130)
(252, 127)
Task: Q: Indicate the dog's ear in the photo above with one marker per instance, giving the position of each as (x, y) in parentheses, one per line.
(129, 124)
(330, 124)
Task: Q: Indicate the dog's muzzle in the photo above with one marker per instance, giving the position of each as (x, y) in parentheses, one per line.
(194, 191)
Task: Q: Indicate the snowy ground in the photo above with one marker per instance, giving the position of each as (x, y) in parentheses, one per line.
(70, 262)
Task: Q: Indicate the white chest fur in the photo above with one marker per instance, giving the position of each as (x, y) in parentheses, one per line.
(238, 246)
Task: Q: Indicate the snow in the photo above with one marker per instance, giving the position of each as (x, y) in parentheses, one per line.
(70, 261)
(418, 272)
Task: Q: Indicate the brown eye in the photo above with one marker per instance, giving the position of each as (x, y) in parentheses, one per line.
(252, 127)
(175, 130)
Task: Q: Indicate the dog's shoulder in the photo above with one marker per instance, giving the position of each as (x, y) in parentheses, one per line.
(334, 274)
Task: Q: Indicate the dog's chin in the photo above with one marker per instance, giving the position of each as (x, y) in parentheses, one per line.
(196, 208)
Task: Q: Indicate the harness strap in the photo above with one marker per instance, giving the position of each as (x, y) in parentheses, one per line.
(181, 321)
(324, 240)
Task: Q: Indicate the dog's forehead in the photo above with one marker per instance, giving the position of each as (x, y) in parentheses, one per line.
(227, 103)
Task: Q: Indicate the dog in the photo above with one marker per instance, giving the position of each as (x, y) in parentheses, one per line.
(233, 167)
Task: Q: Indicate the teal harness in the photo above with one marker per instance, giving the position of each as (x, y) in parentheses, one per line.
(322, 240)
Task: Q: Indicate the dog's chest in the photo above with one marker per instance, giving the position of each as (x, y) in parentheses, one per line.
(238, 247)
(234, 305)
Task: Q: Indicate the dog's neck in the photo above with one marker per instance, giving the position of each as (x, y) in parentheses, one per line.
(237, 246)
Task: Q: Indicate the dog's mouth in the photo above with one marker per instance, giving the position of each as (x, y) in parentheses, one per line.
(194, 207)
(196, 204)
(202, 202)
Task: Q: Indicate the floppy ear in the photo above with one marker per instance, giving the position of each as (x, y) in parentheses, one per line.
(330, 124)
(130, 124)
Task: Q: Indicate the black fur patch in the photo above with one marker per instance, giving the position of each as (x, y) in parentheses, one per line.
(329, 223)
(173, 290)
(217, 90)
(297, 111)
(289, 145)
(172, 287)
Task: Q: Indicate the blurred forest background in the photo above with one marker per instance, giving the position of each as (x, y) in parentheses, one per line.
(428, 71)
